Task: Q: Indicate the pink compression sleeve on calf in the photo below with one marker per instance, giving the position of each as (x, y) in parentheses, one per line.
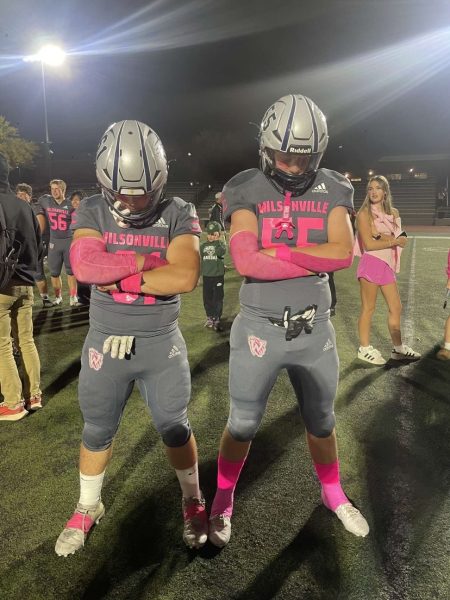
(319, 264)
(92, 263)
(152, 262)
(250, 262)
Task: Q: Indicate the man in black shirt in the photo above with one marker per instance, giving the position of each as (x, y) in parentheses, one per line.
(16, 301)
(216, 211)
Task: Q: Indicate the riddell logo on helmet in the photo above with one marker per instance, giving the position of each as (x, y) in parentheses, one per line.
(300, 149)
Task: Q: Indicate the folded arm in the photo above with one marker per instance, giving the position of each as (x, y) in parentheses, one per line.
(92, 263)
(334, 255)
(249, 260)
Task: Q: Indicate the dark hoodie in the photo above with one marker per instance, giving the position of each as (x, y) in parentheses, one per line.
(20, 218)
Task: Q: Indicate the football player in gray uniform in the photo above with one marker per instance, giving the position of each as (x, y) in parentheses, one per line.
(140, 250)
(290, 226)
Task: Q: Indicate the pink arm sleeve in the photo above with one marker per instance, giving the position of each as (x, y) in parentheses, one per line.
(319, 264)
(91, 263)
(152, 262)
(252, 263)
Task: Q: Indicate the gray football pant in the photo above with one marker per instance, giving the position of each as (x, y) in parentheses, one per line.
(160, 368)
(58, 253)
(259, 351)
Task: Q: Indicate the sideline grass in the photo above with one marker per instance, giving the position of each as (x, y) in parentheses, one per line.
(393, 426)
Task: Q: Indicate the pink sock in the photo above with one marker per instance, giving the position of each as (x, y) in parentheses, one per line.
(332, 492)
(73, 292)
(227, 477)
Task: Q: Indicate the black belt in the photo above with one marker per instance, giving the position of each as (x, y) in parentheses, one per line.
(295, 324)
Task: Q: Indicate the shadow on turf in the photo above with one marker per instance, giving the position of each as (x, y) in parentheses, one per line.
(69, 374)
(58, 319)
(148, 549)
(408, 461)
(313, 545)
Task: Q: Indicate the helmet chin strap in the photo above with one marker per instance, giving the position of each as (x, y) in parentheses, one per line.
(117, 212)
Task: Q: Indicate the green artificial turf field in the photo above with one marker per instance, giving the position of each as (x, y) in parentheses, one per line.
(393, 428)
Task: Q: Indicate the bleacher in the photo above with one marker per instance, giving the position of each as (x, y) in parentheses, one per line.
(415, 199)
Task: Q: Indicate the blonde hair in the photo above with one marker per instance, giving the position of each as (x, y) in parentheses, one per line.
(387, 202)
(60, 183)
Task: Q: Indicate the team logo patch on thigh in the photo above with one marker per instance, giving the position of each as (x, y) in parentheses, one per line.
(257, 346)
(95, 359)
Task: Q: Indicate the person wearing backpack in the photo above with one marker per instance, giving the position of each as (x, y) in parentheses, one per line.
(21, 249)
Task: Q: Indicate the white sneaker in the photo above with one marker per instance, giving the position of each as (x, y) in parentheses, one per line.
(219, 530)
(57, 301)
(371, 355)
(73, 301)
(352, 519)
(407, 354)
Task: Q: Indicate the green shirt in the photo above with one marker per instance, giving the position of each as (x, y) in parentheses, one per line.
(212, 254)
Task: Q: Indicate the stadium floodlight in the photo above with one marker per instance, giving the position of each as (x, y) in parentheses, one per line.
(52, 56)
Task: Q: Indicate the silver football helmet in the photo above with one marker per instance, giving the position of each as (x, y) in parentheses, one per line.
(293, 125)
(132, 169)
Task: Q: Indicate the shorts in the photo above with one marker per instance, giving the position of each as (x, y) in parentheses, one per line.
(375, 270)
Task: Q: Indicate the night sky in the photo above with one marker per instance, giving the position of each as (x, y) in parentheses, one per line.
(380, 70)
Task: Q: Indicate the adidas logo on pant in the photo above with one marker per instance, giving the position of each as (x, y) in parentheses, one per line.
(174, 352)
(328, 345)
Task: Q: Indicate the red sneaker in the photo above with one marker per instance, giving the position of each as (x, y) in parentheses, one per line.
(34, 403)
(12, 414)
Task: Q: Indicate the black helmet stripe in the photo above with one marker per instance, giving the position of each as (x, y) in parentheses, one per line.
(116, 158)
(145, 159)
(314, 124)
(289, 125)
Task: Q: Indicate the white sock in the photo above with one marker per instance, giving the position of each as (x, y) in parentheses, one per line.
(90, 489)
(447, 345)
(188, 479)
(364, 348)
(399, 348)
(44, 296)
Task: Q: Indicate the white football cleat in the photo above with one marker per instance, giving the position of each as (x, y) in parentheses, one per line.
(219, 530)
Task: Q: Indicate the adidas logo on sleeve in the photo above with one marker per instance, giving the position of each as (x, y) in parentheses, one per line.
(320, 188)
(160, 223)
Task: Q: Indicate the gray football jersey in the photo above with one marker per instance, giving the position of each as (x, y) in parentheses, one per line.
(59, 216)
(302, 221)
(136, 314)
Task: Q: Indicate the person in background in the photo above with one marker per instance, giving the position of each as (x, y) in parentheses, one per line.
(140, 251)
(16, 302)
(216, 211)
(379, 243)
(25, 192)
(284, 244)
(212, 254)
(58, 212)
(75, 198)
(444, 352)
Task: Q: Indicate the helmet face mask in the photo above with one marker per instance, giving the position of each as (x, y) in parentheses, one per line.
(131, 167)
(292, 139)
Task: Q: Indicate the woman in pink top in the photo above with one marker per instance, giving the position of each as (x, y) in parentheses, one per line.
(444, 352)
(379, 243)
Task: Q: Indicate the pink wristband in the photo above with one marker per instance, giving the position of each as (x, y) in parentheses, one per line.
(283, 253)
(131, 284)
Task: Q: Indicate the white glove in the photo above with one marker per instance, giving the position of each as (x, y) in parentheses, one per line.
(119, 345)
